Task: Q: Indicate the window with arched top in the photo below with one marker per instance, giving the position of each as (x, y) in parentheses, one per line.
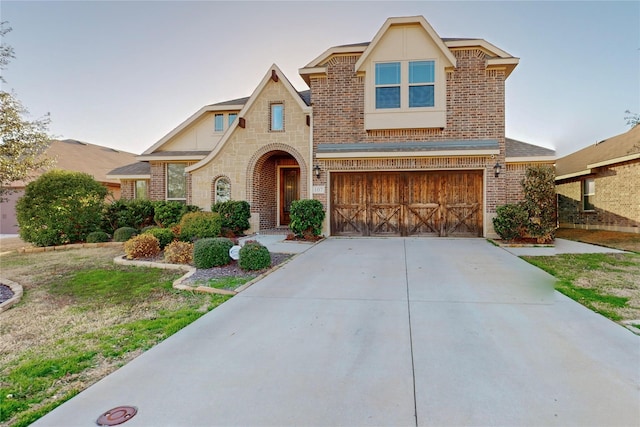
(223, 190)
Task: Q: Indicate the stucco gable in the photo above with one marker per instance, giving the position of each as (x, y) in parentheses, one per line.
(406, 21)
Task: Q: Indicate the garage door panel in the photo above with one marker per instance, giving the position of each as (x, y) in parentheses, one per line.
(442, 203)
(348, 201)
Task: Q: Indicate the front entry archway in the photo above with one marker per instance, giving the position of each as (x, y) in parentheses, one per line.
(277, 178)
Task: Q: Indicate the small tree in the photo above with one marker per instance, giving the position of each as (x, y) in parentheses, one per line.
(22, 141)
(540, 202)
(60, 207)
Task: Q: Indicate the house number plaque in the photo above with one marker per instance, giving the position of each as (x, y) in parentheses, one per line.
(318, 189)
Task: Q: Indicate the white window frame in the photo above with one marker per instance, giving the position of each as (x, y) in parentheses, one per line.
(218, 181)
(588, 194)
(218, 127)
(135, 189)
(279, 127)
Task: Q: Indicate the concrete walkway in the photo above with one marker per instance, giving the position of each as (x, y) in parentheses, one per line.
(562, 246)
(384, 332)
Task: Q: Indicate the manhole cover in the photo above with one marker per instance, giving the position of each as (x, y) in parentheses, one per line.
(116, 416)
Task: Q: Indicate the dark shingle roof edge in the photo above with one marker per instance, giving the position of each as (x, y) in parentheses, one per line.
(305, 95)
(515, 148)
(133, 169)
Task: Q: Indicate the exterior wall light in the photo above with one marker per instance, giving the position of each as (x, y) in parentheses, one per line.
(497, 168)
(316, 171)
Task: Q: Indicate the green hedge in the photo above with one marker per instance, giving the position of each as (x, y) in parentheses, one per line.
(235, 216)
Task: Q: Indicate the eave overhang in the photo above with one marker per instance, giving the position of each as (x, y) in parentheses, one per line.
(574, 174)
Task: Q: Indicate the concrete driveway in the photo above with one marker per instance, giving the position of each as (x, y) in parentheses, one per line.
(384, 332)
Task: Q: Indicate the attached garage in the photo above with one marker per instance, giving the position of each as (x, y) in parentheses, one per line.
(440, 203)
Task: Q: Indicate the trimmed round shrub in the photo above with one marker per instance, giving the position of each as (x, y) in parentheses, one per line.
(199, 225)
(510, 221)
(164, 235)
(123, 234)
(254, 256)
(211, 252)
(97, 237)
(178, 252)
(142, 246)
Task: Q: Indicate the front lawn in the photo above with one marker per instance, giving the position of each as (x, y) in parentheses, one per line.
(81, 317)
(608, 284)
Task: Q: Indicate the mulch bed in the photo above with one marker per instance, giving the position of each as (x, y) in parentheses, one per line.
(5, 293)
(233, 269)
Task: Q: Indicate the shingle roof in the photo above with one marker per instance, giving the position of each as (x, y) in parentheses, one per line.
(77, 156)
(305, 95)
(133, 169)
(515, 148)
(612, 148)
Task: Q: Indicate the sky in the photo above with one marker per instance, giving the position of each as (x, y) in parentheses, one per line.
(123, 74)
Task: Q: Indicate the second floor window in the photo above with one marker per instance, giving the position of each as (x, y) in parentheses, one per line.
(219, 123)
(277, 117)
(407, 84)
(388, 85)
(421, 83)
(232, 117)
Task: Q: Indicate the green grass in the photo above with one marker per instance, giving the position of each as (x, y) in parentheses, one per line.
(229, 282)
(597, 273)
(42, 377)
(129, 285)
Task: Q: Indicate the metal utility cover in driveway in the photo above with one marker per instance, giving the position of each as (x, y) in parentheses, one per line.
(399, 331)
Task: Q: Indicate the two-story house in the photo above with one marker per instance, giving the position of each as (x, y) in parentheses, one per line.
(400, 136)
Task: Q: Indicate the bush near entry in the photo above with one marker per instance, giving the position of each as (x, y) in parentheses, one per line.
(306, 218)
(235, 216)
(164, 235)
(510, 221)
(97, 237)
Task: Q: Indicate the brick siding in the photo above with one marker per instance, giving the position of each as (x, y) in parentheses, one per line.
(616, 201)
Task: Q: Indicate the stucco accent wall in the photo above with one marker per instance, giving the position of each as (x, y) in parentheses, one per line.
(236, 155)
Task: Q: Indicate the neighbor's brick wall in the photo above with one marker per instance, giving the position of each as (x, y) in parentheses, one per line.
(475, 110)
(617, 199)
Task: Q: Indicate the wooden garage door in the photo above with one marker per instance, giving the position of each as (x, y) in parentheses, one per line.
(406, 204)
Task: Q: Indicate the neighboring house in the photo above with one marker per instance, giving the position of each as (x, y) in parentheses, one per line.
(70, 155)
(598, 186)
(403, 135)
